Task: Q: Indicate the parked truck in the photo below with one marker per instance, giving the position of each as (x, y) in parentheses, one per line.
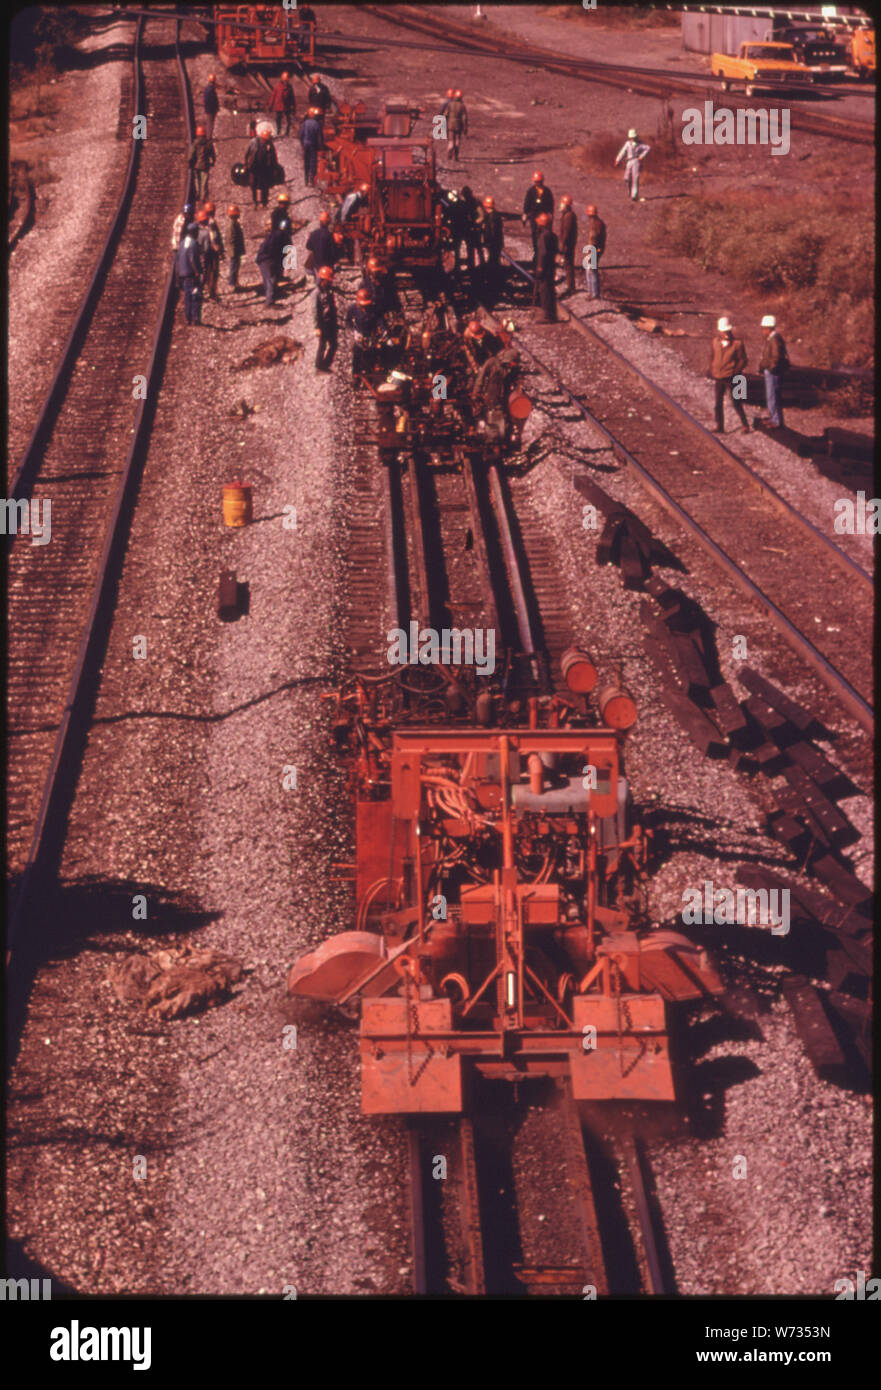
(819, 48)
(762, 66)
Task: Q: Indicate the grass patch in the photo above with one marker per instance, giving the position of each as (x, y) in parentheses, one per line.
(667, 156)
(813, 265)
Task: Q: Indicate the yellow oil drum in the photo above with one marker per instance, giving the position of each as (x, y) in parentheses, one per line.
(519, 406)
(238, 507)
(579, 672)
(617, 707)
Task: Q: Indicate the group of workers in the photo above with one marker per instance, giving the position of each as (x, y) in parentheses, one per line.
(728, 364)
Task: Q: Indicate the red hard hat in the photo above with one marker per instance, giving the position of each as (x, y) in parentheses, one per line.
(365, 188)
(286, 77)
(283, 197)
(450, 94)
(209, 207)
(324, 218)
(201, 215)
(543, 219)
(266, 135)
(591, 210)
(364, 297)
(233, 210)
(567, 199)
(325, 273)
(457, 94)
(372, 263)
(475, 326)
(212, 78)
(200, 130)
(489, 201)
(313, 111)
(538, 176)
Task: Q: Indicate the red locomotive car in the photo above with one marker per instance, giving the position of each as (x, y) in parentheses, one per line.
(258, 35)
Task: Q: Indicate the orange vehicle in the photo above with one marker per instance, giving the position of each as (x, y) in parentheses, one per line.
(762, 67)
(257, 35)
(862, 54)
(496, 928)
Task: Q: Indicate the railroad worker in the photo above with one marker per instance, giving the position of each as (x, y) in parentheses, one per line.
(539, 198)
(728, 361)
(321, 249)
(380, 282)
(364, 318)
(457, 124)
(236, 238)
(269, 260)
(633, 153)
(470, 211)
(188, 266)
(181, 222)
(326, 329)
(306, 28)
(202, 157)
(492, 386)
(283, 104)
(353, 202)
(319, 96)
(216, 251)
(546, 266)
(312, 141)
(261, 162)
(595, 236)
(280, 217)
(479, 343)
(492, 236)
(568, 240)
(211, 105)
(773, 363)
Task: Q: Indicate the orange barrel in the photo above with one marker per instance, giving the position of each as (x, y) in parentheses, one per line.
(579, 672)
(519, 406)
(237, 504)
(617, 707)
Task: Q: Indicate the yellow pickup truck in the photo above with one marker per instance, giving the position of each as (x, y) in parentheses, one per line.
(761, 66)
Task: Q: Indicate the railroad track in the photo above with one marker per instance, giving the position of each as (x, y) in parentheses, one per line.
(639, 427)
(646, 81)
(84, 461)
(506, 1201)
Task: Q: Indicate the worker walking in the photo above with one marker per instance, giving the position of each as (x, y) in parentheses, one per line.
(457, 124)
(595, 236)
(321, 248)
(365, 319)
(538, 199)
(202, 157)
(568, 240)
(283, 104)
(211, 105)
(312, 140)
(236, 238)
(188, 267)
(728, 361)
(546, 266)
(181, 222)
(773, 363)
(326, 328)
(261, 162)
(633, 153)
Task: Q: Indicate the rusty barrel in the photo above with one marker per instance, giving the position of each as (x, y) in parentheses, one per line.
(617, 707)
(237, 504)
(519, 405)
(579, 672)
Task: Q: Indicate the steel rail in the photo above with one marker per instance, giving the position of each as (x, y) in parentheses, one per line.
(27, 470)
(653, 1269)
(849, 567)
(859, 708)
(417, 1209)
(98, 622)
(513, 50)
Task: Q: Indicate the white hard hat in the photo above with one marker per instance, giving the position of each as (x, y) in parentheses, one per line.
(769, 321)
(724, 325)
(631, 135)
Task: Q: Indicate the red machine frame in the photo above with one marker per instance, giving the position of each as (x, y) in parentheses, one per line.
(258, 35)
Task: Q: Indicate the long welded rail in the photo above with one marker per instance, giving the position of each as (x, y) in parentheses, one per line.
(517, 51)
(850, 698)
(97, 624)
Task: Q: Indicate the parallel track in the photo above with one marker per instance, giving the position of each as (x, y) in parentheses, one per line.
(61, 595)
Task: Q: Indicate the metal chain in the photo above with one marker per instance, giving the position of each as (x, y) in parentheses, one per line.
(624, 1008)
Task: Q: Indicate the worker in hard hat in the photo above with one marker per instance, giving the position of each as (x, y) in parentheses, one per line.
(773, 364)
(727, 365)
(211, 105)
(633, 152)
(326, 328)
(283, 104)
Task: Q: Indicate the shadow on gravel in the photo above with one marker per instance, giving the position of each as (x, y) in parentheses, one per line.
(21, 1266)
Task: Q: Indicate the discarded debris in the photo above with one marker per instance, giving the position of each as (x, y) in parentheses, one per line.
(281, 348)
(175, 983)
(242, 410)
